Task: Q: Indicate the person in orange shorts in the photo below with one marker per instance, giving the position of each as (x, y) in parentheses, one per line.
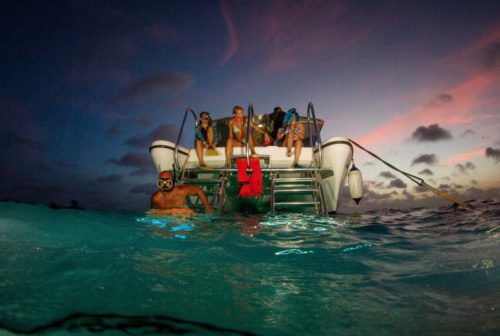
(170, 196)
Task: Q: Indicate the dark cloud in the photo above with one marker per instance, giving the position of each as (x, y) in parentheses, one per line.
(493, 153)
(440, 100)
(491, 56)
(10, 139)
(446, 178)
(445, 187)
(134, 159)
(419, 189)
(397, 183)
(457, 186)
(426, 171)
(373, 196)
(117, 128)
(65, 164)
(143, 171)
(163, 132)
(167, 81)
(473, 182)
(146, 189)
(369, 163)
(466, 133)
(112, 178)
(430, 134)
(409, 196)
(429, 159)
(463, 168)
(387, 174)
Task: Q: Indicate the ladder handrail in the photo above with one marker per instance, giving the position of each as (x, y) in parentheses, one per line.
(310, 110)
(250, 116)
(176, 158)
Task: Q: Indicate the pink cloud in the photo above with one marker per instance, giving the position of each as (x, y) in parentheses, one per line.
(233, 39)
(464, 107)
(464, 156)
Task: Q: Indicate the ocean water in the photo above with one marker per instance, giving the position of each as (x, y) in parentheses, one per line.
(390, 272)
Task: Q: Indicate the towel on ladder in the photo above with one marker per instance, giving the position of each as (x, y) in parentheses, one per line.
(249, 185)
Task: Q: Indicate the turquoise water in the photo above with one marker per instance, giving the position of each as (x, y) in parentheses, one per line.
(423, 271)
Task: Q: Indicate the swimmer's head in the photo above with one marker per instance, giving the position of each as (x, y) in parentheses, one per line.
(166, 181)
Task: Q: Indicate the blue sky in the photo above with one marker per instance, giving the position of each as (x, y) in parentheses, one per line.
(87, 85)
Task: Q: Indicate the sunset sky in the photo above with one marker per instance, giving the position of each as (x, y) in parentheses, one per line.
(86, 86)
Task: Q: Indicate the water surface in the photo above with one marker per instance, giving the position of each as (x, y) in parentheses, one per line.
(419, 271)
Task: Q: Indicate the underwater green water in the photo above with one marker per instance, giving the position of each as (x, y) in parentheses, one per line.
(406, 272)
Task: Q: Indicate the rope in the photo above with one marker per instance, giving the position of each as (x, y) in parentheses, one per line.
(414, 178)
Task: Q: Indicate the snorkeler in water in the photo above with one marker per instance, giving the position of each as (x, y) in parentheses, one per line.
(170, 196)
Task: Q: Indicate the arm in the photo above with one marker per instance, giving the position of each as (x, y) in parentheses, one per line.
(255, 127)
(153, 201)
(230, 125)
(195, 190)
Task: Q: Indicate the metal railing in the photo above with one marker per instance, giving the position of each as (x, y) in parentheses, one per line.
(310, 111)
(179, 137)
(249, 127)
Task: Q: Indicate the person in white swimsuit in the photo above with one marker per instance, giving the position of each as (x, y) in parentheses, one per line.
(237, 133)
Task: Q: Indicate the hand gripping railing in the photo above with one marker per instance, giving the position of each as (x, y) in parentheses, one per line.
(310, 111)
(249, 121)
(179, 137)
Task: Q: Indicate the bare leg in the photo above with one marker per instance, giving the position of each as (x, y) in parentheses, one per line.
(210, 135)
(229, 152)
(298, 149)
(289, 142)
(199, 152)
(252, 148)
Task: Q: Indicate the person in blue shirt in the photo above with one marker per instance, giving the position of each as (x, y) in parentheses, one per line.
(205, 136)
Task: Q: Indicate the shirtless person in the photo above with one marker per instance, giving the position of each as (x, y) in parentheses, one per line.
(238, 132)
(169, 196)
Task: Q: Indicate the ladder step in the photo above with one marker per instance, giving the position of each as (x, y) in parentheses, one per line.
(293, 179)
(283, 186)
(297, 203)
(293, 190)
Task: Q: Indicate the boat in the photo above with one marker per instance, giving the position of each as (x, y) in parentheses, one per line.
(317, 184)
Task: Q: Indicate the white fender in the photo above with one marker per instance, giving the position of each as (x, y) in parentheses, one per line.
(355, 184)
(337, 154)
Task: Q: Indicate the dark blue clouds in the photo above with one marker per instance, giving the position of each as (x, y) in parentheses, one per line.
(163, 82)
(429, 159)
(431, 133)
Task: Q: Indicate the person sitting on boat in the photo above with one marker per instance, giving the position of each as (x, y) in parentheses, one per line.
(237, 133)
(294, 135)
(172, 197)
(277, 117)
(205, 136)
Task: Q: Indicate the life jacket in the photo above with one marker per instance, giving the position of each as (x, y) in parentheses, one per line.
(249, 185)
